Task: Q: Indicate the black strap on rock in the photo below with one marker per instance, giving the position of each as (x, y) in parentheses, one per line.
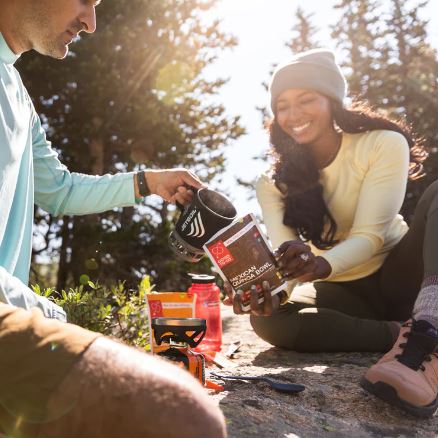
(142, 184)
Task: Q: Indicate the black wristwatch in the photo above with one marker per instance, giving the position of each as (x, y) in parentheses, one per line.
(143, 188)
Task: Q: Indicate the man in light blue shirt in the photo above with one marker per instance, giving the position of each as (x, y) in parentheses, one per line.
(57, 379)
(30, 171)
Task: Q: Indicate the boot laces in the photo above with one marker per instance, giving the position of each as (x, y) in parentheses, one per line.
(405, 335)
(415, 351)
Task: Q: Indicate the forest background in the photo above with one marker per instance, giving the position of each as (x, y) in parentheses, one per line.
(139, 93)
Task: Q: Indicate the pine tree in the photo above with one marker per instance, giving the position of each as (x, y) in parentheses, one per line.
(413, 69)
(393, 68)
(303, 33)
(303, 38)
(411, 85)
(360, 41)
(413, 74)
(408, 47)
(131, 96)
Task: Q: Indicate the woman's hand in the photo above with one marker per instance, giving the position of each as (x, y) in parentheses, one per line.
(296, 261)
(269, 305)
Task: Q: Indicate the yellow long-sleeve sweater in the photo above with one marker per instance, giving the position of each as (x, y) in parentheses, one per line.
(364, 188)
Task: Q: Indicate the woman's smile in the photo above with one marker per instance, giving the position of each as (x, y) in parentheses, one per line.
(300, 128)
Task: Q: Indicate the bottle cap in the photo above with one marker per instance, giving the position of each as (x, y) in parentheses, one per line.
(202, 278)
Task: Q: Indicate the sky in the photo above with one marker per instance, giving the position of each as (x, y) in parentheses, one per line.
(262, 28)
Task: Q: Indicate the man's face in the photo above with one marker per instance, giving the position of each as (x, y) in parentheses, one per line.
(53, 24)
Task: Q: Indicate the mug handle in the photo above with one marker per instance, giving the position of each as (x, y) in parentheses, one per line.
(193, 189)
(180, 206)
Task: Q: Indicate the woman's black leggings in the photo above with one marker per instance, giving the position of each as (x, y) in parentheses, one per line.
(355, 315)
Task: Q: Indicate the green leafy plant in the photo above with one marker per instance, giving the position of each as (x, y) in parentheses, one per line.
(113, 311)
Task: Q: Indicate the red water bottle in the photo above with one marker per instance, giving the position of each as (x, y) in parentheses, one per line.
(208, 308)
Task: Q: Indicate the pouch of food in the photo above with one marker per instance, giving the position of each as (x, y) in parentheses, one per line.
(168, 305)
(243, 257)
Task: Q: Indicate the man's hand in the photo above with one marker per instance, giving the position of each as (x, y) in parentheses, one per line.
(171, 184)
(269, 305)
(296, 261)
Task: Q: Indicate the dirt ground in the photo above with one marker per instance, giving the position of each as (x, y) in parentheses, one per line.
(333, 404)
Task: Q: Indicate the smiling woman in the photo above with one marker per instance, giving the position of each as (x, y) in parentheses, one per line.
(306, 117)
(331, 207)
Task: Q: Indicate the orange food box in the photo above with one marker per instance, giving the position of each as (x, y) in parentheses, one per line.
(169, 305)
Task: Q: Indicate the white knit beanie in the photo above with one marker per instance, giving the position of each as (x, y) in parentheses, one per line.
(314, 70)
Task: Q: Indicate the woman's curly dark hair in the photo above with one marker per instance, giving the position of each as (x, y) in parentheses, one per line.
(297, 177)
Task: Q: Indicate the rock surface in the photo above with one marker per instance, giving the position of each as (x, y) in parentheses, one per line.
(333, 404)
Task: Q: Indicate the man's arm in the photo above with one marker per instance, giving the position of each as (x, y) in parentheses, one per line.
(59, 191)
(16, 293)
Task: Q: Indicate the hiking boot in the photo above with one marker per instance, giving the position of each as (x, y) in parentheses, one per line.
(407, 376)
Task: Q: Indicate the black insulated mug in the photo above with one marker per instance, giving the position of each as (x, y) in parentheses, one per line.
(208, 213)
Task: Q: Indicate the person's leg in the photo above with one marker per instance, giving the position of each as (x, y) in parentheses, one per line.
(36, 353)
(414, 261)
(119, 391)
(58, 380)
(407, 375)
(426, 304)
(327, 316)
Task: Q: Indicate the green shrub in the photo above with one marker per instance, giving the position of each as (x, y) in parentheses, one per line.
(113, 311)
